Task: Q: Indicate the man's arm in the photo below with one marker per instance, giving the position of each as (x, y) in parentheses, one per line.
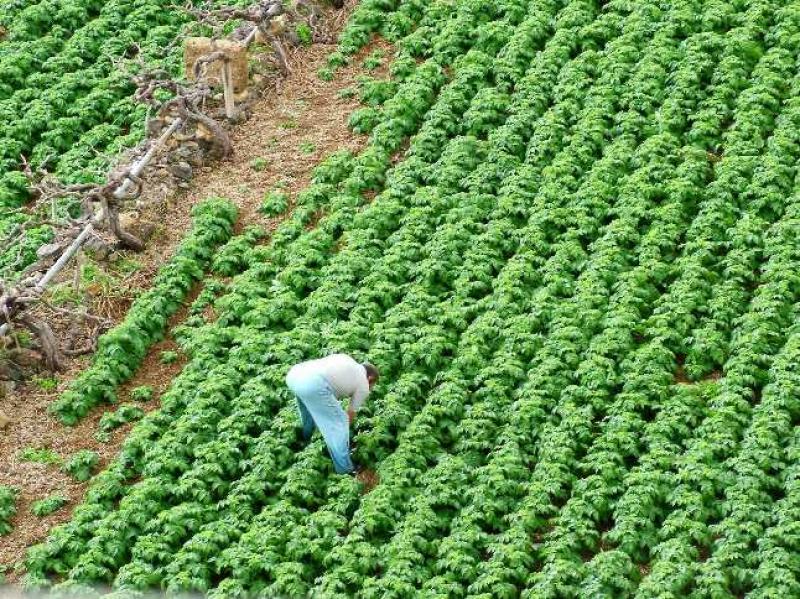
(358, 399)
(359, 396)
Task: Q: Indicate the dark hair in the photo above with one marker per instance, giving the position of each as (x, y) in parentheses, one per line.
(372, 372)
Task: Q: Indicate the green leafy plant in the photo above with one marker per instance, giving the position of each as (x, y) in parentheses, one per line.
(275, 203)
(326, 74)
(8, 508)
(307, 147)
(126, 266)
(373, 61)
(49, 505)
(124, 414)
(46, 384)
(168, 357)
(234, 257)
(142, 393)
(376, 92)
(81, 465)
(39, 455)
(259, 164)
(364, 120)
(304, 34)
(212, 287)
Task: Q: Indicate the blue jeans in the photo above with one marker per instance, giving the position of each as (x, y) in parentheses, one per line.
(319, 406)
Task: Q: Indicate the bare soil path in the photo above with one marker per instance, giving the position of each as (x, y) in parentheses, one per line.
(292, 127)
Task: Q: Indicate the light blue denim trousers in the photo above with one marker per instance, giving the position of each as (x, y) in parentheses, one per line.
(319, 406)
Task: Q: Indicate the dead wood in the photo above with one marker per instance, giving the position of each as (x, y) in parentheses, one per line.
(127, 239)
(54, 358)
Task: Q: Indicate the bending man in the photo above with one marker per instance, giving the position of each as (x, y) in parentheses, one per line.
(318, 386)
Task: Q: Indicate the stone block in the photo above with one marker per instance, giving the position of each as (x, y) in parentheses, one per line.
(195, 47)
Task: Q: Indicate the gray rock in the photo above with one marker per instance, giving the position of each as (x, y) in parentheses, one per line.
(48, 250)
(99, 248)
(183, 152)
(154, 127)
(27, 358)
(182, 170)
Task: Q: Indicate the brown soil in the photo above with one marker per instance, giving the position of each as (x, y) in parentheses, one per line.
(34, 427)
(293, 126)
(369, 480)
(680, 376)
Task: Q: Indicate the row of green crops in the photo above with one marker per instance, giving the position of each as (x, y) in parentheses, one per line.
(120, 351)
(572, 247)
(64, 102)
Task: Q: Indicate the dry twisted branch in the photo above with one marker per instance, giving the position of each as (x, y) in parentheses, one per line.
(257, 13)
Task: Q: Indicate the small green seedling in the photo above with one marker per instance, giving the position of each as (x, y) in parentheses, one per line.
(337, 59)
(63, 294)
(373, 61)
(46, 384)
(24, 338)
(259, 164)
(347, 92)
(168, 357)
(127, 266)
(39, 455)
(290, 123)
(307, 147)
(325, 73)
(304, 34)
(49, 505)
(142, 393)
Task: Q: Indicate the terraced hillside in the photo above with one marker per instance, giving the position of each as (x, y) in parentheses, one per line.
(571, 246)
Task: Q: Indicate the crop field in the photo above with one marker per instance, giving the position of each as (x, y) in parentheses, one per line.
(571, 245)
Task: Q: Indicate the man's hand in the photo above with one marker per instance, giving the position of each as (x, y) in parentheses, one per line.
(351, 415)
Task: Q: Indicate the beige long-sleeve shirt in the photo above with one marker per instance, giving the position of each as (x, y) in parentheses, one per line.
(346, 377)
